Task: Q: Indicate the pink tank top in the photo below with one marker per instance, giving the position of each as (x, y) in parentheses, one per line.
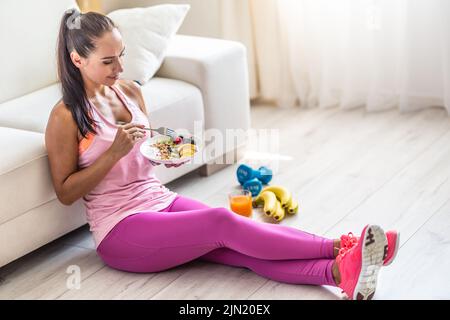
(129, 187)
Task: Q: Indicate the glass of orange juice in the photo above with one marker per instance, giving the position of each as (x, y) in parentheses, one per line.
(241, 202)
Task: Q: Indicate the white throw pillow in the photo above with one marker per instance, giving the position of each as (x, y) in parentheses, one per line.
(146, 33)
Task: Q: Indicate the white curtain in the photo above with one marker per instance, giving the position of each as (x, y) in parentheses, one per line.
(376, 54)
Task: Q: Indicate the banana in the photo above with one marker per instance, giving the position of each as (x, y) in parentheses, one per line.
(282, 194)
(270, 202)
(258, 202)
(186, 150)
(292, 208)
(279, 214)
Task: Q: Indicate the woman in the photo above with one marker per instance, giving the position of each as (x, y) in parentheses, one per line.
(138, 224)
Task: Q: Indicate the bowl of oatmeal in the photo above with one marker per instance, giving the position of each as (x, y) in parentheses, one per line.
(168, 150)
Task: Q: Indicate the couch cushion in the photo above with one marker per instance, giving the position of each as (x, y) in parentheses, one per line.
(172, 103)
(31, 111)
(25, 180)
(28, 33)
(182, 100)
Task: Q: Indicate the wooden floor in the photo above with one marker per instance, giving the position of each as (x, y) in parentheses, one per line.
(347, 168)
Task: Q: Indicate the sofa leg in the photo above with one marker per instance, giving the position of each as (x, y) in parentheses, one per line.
(209, 169)
(230, 158)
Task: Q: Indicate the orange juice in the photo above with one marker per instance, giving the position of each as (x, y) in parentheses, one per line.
(241, 204)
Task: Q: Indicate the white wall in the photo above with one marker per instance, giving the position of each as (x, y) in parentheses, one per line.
(204, 18)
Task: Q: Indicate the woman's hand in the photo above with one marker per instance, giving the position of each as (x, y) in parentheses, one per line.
(167, 165)
(126, 137)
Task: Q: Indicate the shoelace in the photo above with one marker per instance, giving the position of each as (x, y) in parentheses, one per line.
(347, 242)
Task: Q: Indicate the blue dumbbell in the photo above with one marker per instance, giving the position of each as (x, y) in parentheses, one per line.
(246, 173)
(264, 175)
(254, 186)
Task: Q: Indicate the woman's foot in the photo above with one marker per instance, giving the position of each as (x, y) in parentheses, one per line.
(390, 251)
(393, 238)
(359, 266)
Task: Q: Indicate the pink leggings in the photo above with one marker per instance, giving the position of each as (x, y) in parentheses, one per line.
(188, 229)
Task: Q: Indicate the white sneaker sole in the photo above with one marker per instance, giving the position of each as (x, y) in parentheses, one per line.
(372, 259)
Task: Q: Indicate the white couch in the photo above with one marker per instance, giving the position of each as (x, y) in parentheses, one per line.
(201, 79)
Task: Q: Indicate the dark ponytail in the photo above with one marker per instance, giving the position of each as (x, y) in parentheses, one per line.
(78, 32)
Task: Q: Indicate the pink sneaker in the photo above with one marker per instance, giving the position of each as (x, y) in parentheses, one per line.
(348, 241)
(393, 238)
(390, 251)
(359, 265)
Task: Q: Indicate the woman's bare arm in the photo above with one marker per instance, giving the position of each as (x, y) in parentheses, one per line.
(61, 140)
